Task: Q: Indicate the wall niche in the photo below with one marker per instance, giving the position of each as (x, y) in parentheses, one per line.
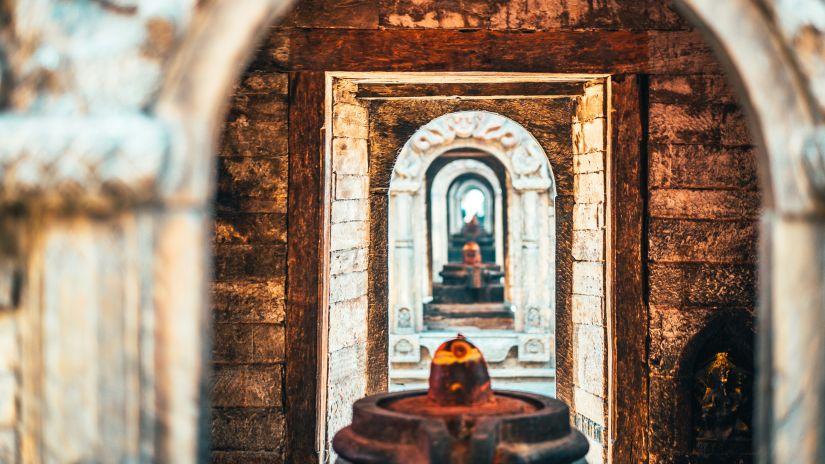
(716, 383)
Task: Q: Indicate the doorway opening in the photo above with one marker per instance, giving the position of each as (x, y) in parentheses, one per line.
(468, 203)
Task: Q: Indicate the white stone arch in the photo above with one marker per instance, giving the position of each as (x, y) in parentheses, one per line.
(455, 194)
(531, 217)
(439, 230)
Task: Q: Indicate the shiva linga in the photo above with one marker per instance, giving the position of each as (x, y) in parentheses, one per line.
(470, 296)
(459, 420)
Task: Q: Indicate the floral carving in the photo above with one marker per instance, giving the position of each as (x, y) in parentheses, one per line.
(491, 132)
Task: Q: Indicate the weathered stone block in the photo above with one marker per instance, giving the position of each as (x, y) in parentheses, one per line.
(247, 457)
(248, 429)
(589, 188)
(247, 228)
(735, 129)
(588, 245)
(589, 346)
(263, 82)
(349, 210)
(670, 331)
(708, 124)
(588, 216)
(349, 156)
(588, 309)
(347, 286)
(243, 137)
(591, 104)
(348, 235)
(252, 185)
(693, 90)
(344, 90)
(578, 137)
(589, 162)
(245, 302)
(347, 261)
(704, 204)
(249, 262)
(664, 419)
(351, 187)
(347, 384)
(588, 278)
(679, 123)
(594, 135)
(350, 121)
(248, 343)
(348, 323)
(702, 167)
(702, 241)
(269, 343)
(686, 285)
(590, 406)
(259, 108)
(247, 386)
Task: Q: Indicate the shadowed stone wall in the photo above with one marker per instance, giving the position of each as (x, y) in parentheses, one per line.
(250, 274)
(702, 228)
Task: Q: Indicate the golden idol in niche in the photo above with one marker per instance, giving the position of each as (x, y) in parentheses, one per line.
(723, 394)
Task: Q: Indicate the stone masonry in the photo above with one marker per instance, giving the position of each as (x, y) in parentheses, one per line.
(250, 274)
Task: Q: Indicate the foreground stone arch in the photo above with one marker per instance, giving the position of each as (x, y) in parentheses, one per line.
(161, 252)
(773, 50)
(105, 261)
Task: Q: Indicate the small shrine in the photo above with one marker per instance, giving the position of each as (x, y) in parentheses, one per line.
(471, 293)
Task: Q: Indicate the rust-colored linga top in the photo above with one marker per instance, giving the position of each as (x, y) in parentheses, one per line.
(460, 385)
(471, 252)
(459, 420)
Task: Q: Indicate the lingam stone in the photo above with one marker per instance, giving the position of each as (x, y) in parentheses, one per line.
(460, 419)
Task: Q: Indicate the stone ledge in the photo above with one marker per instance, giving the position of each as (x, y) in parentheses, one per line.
(92, 162)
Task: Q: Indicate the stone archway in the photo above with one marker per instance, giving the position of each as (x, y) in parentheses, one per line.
(773, 53)
(442, 202)
(530, 237)
(771, 50)
(110, 173)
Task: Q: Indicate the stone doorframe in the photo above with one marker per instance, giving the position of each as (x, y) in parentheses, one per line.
(773, 52)
(354, 341)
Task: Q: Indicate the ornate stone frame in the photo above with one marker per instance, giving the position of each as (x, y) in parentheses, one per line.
(531, 223)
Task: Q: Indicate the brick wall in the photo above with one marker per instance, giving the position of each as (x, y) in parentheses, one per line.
(250, 272)
(349, 251)
(589, 322)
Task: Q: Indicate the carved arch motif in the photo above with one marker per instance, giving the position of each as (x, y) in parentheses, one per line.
(498, 135)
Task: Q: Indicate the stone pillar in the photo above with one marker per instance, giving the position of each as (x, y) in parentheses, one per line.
(404, 311)
(529, 316)
(797, 339)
